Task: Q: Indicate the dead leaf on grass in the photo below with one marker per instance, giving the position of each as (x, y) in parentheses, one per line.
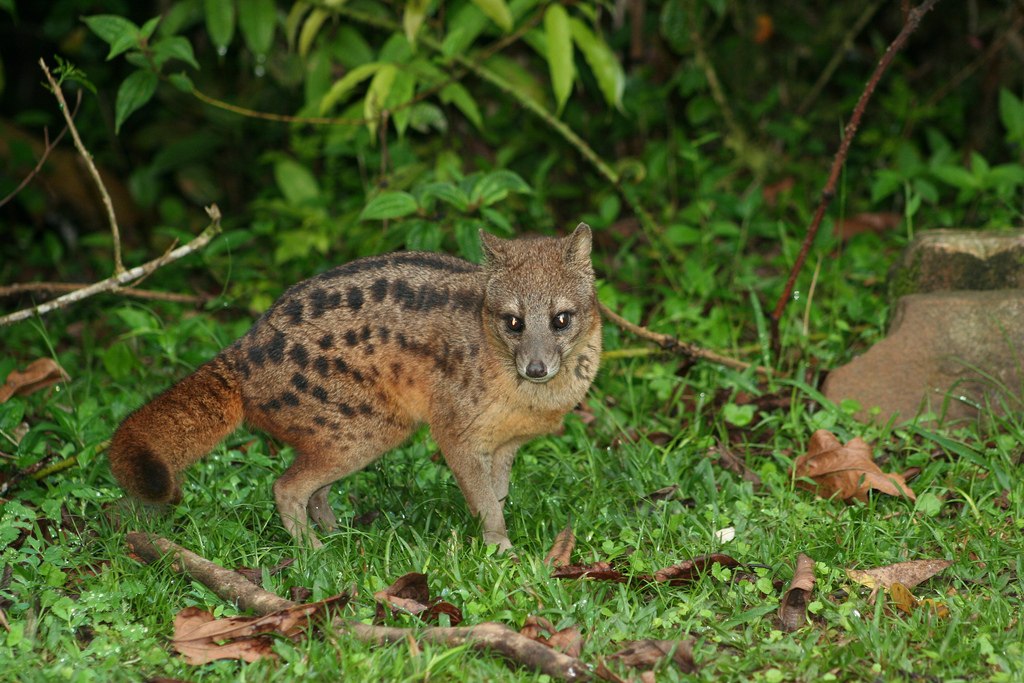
(646, 654)
(39, 374)
(793, 608)
(845, 471)
(411, 594)
(690, 570)
(600, 571)
(561, 549)
(568, 640)
(908, 573)
(201, 638)
(882, 221)
(905, 601)
(255, 574)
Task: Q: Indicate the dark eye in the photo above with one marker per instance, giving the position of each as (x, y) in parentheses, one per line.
(561, 320)
(514, 323)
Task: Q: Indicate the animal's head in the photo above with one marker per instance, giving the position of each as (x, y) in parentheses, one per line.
(540, 299)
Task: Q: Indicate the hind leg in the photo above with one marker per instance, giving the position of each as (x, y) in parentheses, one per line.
(303, 487)
(320, 511)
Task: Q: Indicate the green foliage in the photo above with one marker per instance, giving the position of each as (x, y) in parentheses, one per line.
(410, 128)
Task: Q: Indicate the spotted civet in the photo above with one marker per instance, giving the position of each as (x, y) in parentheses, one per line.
(345, 365)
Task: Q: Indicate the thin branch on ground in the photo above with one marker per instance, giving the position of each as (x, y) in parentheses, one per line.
(669, 343)
(116, 281)
(828, 192)
(115, 232)
(47, 148)
(64, 287)
(488, 637)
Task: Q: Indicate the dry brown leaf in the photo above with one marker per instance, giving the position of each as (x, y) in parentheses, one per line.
(846, 471)
(850, 226)
(255, 574)
(568, 640)
(561, 549)
(411, 594)
(40, 373)
(600, 571)
(793, 608)
(646, 654)
(908, 573)
(690, 570)
(201, 638)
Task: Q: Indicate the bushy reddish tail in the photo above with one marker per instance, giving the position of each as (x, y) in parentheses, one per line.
(159, 440)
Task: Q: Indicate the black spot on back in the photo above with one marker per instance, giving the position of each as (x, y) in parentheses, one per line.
(320, 394)
(466, 300)
(318, 301)
(365, 333)
(326, 342)
(379, 289)
(351, 338)
(355, 298)
(346, 409)
(293, 309)
(365, 409)
(384, 333)
(299, 354)
(341, 366)
(256, 355)
(289, 399)
(300, 382)
(275, 348)
(322, 366)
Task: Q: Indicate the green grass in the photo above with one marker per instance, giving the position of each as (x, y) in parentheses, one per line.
(81, 608)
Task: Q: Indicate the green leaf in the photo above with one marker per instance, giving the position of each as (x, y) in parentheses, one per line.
(293, 20)
(467, 236)
(344, 85)
(602, 61)
(182, 82)
(174, 47)
(401, 93)
(258, 20)
(220, 22)
(464, 27)
(957, 176)
(310, 29)
(389, 205)
(296, 182)
(412, 18)
(1011, 112)
(560, 54)
(134, 92)
(496, 185)
(377, 96)
(146, 32)
(446, 192)
(497, 11)
(456, 93)
(111, 27)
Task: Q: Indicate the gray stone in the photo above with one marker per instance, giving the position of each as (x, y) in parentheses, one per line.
(947, 260)
(947, 353)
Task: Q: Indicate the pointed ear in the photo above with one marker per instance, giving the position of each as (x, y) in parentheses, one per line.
(577, 245)
(493, 247)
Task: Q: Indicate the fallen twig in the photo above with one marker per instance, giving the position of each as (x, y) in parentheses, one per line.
(62, 287)
(669, 343)
(115, 232)
(487, 637)
(115, 281)
(828, 192)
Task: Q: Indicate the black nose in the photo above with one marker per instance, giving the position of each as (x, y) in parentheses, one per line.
(536, 369)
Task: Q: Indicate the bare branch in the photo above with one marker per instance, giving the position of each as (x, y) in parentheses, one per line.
(64, 287)
(669, 343)
(486, 637)
(828, 192)
(115, 281)
(115, 232)
(47, 148)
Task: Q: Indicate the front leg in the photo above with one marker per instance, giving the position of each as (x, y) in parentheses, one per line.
(473, 472)
(501, 469)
